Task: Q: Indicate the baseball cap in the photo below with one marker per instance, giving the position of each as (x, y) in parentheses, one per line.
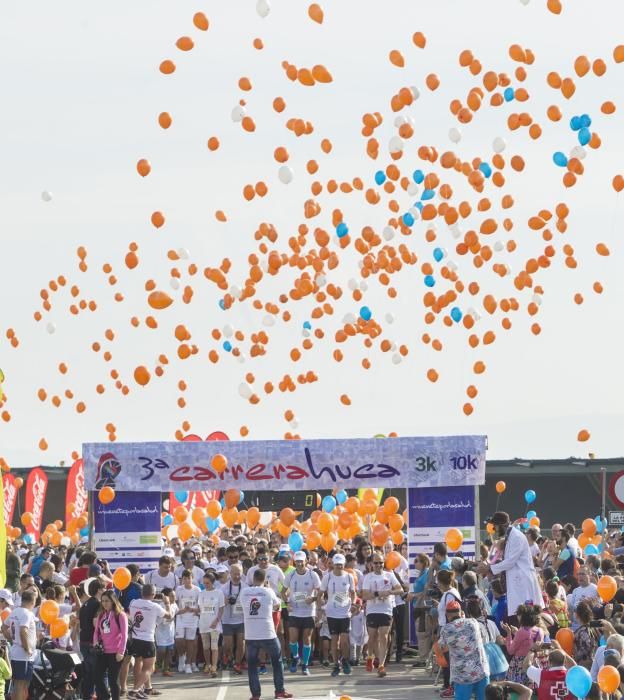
(500, 518)
(168, 552)
(221, 569)
(6, 596)
(196, 548)
(339, 559)
(300, 556)
(453, 606)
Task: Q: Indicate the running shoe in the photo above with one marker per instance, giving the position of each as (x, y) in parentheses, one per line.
(447, 693)
(262, 670)
(188, 669)
(369, 664)
(382, 672)
(237, 669)
(305, 670)
(293, 664)
(346, 668)
(283, 694)
(336, 671)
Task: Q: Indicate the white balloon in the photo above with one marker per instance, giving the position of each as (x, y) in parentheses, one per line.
(452, 265)
(268, 320)
(241, 358)
(474, 313)
(389, 318)
(294, 423)
(388, 233)
(399, 121)
(238, 113)
(415, 212)
(349, 318)
(263, 8)
(578, 152)
(364, 285)
(537, 298)
(245, 390)
(305, 333)
(352, 284)
(415, 92)
(525, 2)
(455, 230)
(228, 331)
(46, 196)
(236, 291)
(174, 283)
(51, 328)
(499, 144)
(285, 174)
(321, 280)
(454, 134)
(183, 253)
(395, 145)
(412, 189)
(397, 359)
(498, 246)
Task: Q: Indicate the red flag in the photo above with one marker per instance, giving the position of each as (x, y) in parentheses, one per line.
(76, 494)
(10, 497)
(36, 487)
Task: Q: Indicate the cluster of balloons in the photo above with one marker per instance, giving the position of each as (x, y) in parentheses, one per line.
(590, 539)
(49, 615)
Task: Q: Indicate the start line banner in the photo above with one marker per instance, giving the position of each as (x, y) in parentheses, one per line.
(287, 465)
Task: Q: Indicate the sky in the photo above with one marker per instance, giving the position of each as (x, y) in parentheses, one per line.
(81, 95)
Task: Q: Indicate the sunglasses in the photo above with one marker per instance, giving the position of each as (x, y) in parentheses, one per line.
(263, 559)
(377, 563)
(233, 556)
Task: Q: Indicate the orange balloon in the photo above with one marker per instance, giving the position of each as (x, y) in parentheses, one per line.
(122, 578)
(589, 527)
(287, 516)
(159, 300)
(180, 514)
(328, 542)
(219, 463)
(454, 539)
(352, 504)
(19, 482)
(283, 529)
(315, 12)
(58, 628)
(142, 375)
(609, 679)
(198, 516)
(391, 505)
(397, 537)
(26, 518)
(607, 588)
(500, 486)
(565, 637)
(213, 509)
(185, 531)
(106, 494)
(369, 494)
(48, 611)
(200, 21)
(253, 517)
(313, 540)
(143, 167)
(232, 498)
(345, 520)
(396, 522)
(370, 506)
(393, 560)
(4, 614)
(325, 523)
(230, 516)
(381, 516)
(584, 540)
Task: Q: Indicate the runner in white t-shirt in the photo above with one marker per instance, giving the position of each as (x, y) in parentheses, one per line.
(163, 577)
(143, 616)
(211, 605)
(232, 620)
(20, 626)
(301, 591)
(259, 603)
(187, 597)
(339, 590)
(378, 590)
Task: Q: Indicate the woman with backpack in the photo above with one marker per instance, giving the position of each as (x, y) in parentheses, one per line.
(109, 643)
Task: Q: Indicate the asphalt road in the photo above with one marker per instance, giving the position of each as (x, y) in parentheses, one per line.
(402, 683)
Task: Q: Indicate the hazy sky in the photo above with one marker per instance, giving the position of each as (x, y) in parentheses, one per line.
(80, 95)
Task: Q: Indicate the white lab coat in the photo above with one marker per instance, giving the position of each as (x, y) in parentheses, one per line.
(522, 584)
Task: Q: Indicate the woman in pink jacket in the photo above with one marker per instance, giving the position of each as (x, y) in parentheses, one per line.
(111, 632)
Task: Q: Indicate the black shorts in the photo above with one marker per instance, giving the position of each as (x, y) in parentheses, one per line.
(285, 614)
(231, 630)
(376, 620)
(143, 649)
(22, 670)
(338, 625)
(301, 623)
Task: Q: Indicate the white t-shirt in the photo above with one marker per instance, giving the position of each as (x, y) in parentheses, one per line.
(210, 602)
(274, 577)
(258, 605)
(144, 615)
(198, 574)
(338, 590)
(376, 583)
(575, 546)
(187, 598)
(233, 614)
(159, 582)
(165, 629)
(300, 587)
(534, 549)
(403, 571)
(451, 594)
(20, 617)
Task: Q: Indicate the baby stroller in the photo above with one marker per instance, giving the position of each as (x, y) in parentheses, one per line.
(54, 675)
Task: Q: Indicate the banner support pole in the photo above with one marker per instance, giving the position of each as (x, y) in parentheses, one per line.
(477, 511)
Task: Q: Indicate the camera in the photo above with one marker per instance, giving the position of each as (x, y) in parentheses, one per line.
(232, 600)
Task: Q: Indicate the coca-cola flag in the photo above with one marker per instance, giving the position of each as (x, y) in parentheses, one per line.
(36, 487)
(76, 494)
(10, 497)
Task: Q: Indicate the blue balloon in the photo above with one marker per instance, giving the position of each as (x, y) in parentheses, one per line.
(366, 313)
(380, 177)
(28, 538)
(227, 346)
(429, 281)
(341, 496)
(427, 194)
(307, 325)
(408, 219)
(84, 532)
(212, 524)
(591, 549)
(438, 254)
(579, 681)
(418, 176)
(242, 498)
(585, 121)
(486, 169)
(222, 502)
(295, 541)
(456, 314)
(167, 520)
(575, 123)
(222, 304)
(181, 496)
(599, 525)
(584, 136)
(529, 496)
(531, 514)
(419, 206)
(560, 159)
(509, 94)
(328, 504)
(342, 229)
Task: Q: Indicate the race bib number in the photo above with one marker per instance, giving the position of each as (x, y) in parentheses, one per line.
(299, 598)
(341, 600)
(238, 608)
(209, 608)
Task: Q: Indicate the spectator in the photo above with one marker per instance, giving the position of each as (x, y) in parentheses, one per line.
(81, 572)
(614, 641)
(520, 641)
(111, 631)
(585, 591)
(585, 637)
(88, 612)
(550, 679)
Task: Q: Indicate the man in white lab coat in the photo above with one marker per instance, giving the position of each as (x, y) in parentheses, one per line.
(522, 583)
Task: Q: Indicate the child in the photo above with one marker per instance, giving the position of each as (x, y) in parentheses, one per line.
(165, 632)
(520, 641)
(211, 607)
(5, 668)
(325, 637)
(557, 607)
(358, 634)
